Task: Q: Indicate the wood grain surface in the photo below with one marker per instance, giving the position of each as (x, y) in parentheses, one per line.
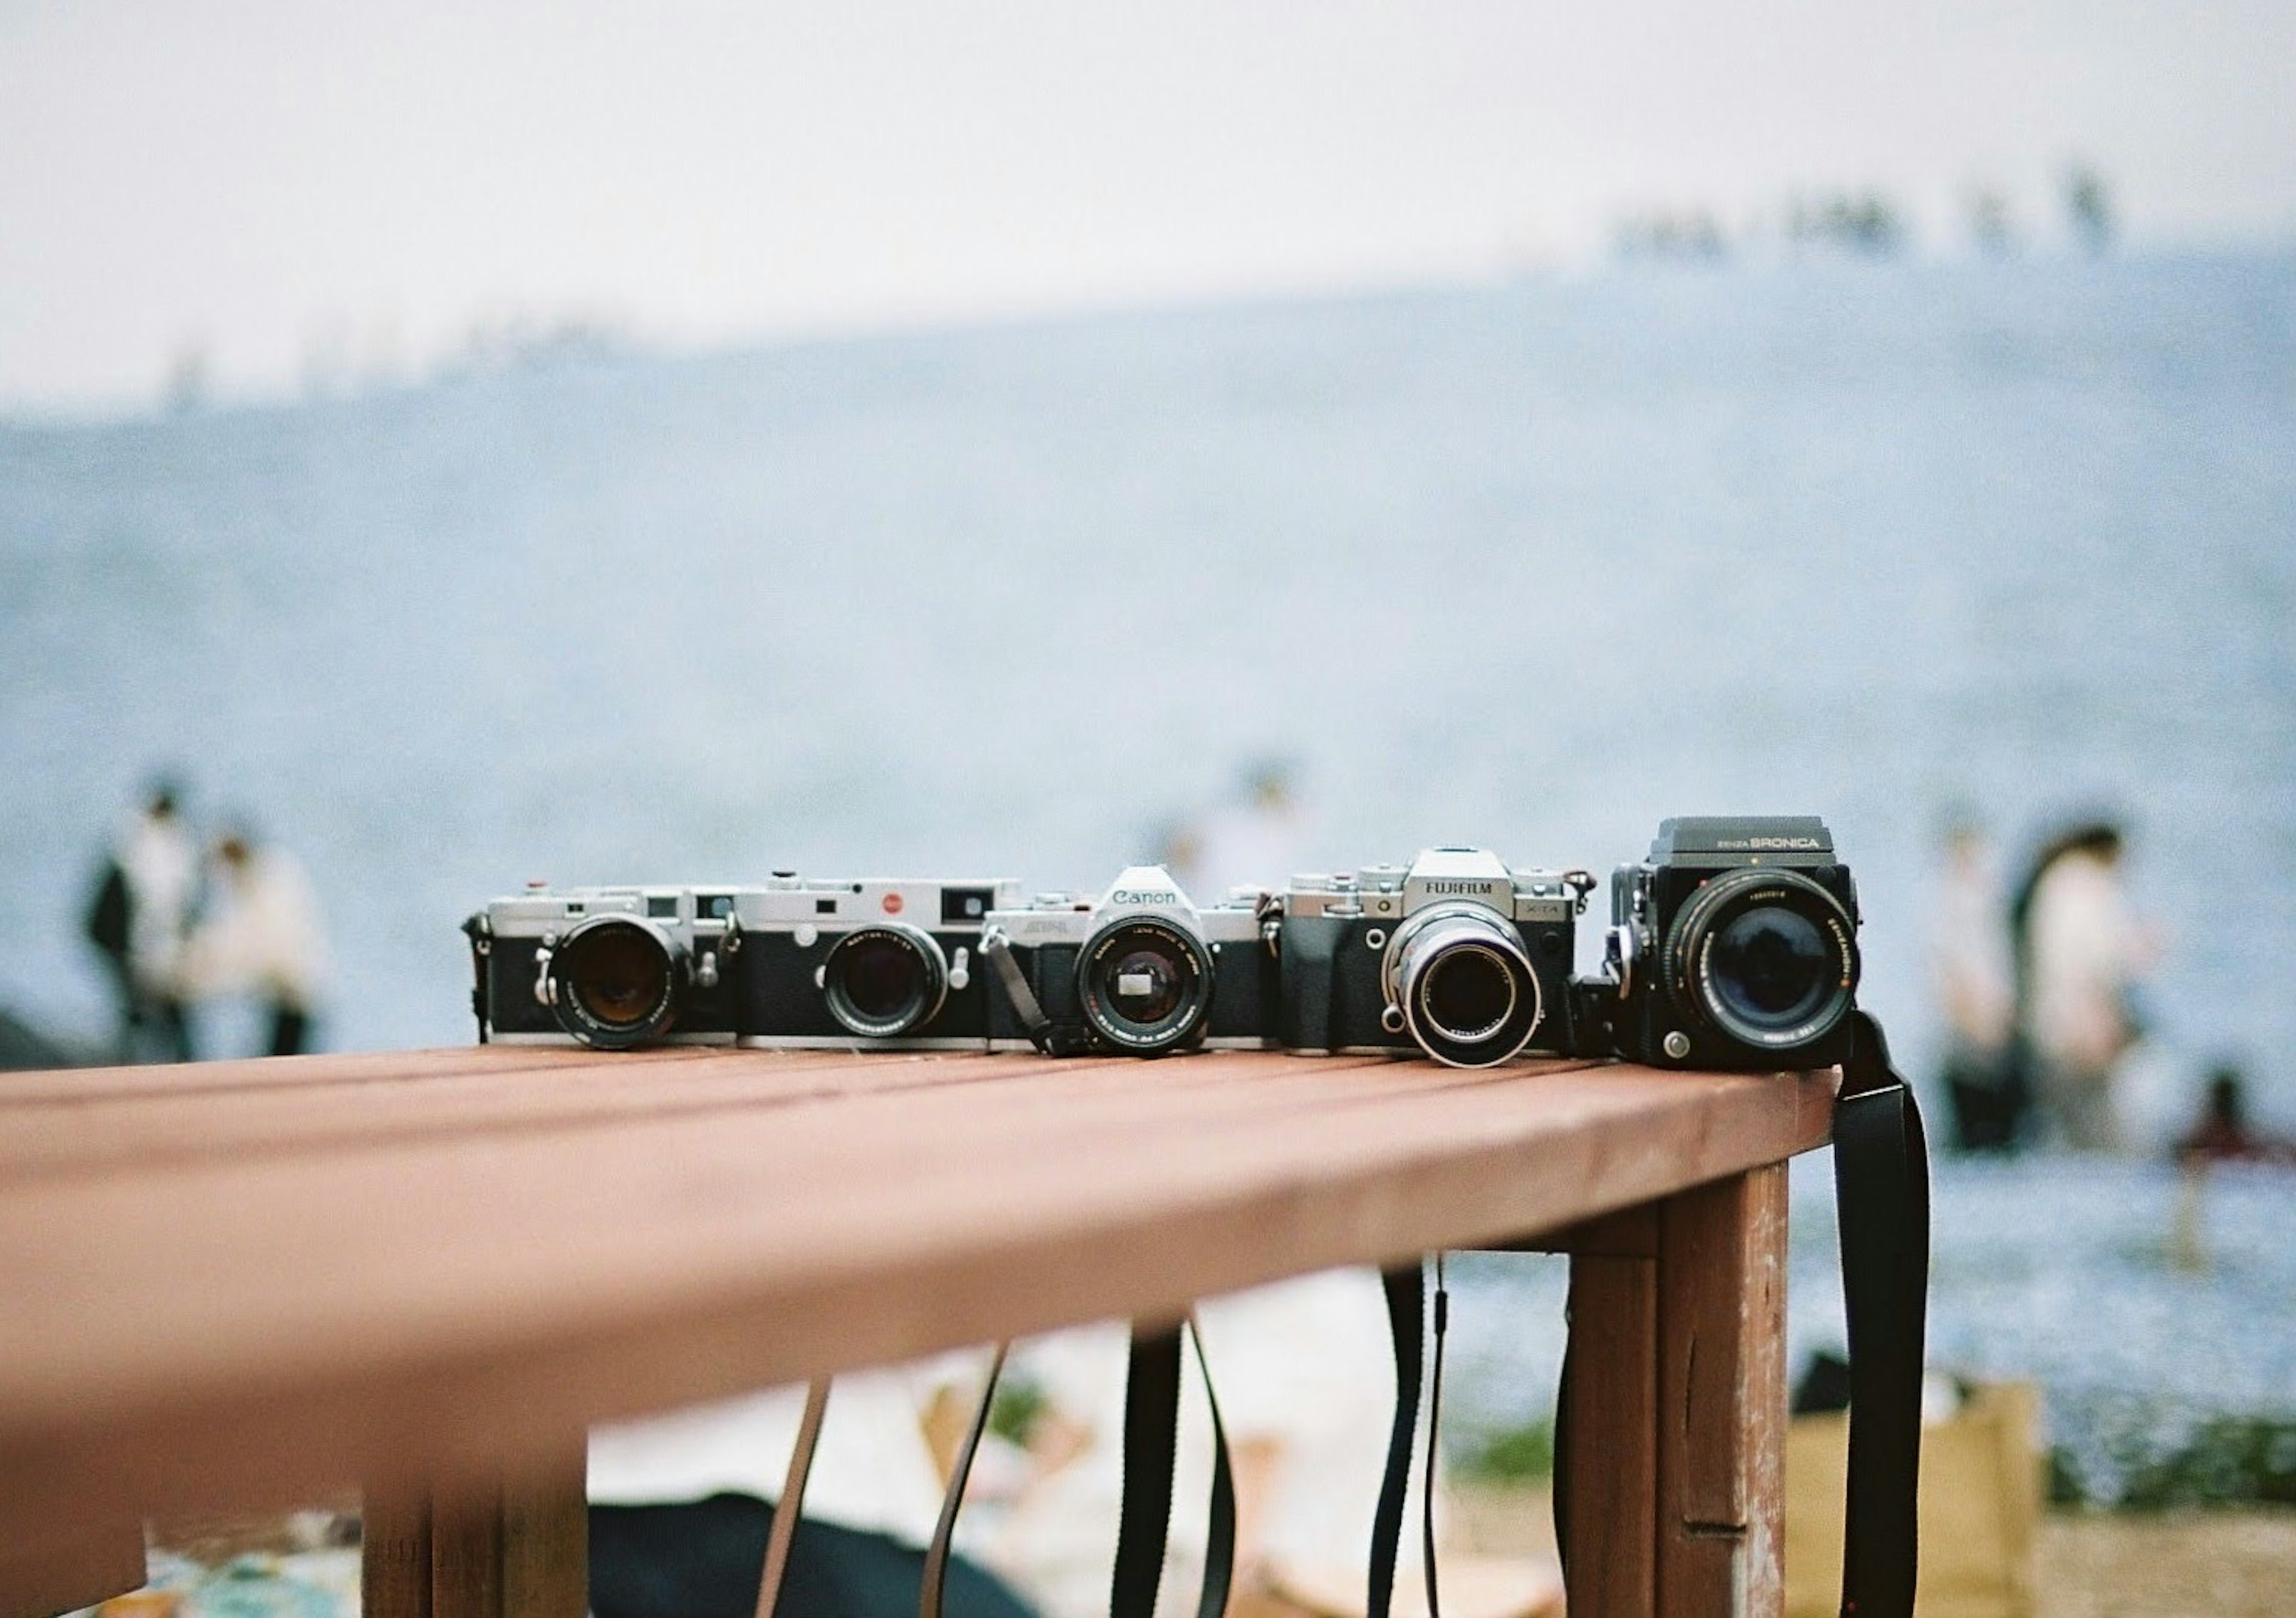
(245, 1280)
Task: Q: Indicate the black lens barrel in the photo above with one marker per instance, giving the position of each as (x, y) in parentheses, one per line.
(616, 981)
(1765, 958)
(1145, 983)
(884, 979)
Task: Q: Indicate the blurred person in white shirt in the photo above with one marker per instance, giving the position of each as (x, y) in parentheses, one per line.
(261, 938)
(2083, 950)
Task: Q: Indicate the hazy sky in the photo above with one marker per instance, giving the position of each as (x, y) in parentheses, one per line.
(280, 184)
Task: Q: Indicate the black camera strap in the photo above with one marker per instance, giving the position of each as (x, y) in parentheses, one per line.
(1043, 1032)
(935, 1586)
(1152, 1432)
(1882, 1195)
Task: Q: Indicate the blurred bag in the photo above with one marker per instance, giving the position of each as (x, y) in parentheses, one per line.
(1981, 1508)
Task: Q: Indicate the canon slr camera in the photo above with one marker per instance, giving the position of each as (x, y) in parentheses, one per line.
(1139, 970)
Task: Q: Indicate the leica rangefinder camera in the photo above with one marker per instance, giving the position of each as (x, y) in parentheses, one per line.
(610, 967)
(879, 961)
(1139, 970)
(1454, 954)
(1734, 945)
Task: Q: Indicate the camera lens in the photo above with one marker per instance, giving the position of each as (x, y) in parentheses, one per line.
(1464, 984)
(1146, 985)
(1467, 994)
(616, 981)
(1771, 966)
(1766, 958)
(882, 981)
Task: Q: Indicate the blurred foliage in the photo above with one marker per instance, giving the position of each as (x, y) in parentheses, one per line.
(1020, 1404)
(2222, 1460)
(1510, 1455)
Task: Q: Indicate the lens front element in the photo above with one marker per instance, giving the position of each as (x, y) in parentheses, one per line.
(1766, 957)
(616, 981)
(1467, 994)
(1462, 979)
(1145, 984)
(885, 981)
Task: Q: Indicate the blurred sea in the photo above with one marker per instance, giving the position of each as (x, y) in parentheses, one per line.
(1530, 565)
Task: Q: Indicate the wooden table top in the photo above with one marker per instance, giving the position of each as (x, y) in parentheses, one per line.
(233, 1281)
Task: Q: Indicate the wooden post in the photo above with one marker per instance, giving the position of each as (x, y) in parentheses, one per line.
(1610, 1534)
(518, 1550)
(1722, 1398)
(59, 1573)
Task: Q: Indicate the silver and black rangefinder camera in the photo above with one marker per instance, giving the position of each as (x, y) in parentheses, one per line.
(611, 967)
(1140, 970)
(1734, 945)
(1454, 954)
(881, 961)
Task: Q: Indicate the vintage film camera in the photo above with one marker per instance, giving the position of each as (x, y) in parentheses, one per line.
(1455, 953)
(893, 963)
(1140, 970)
(611, 967)
(1734, 945)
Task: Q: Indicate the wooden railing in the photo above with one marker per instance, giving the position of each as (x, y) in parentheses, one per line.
(240, 1283)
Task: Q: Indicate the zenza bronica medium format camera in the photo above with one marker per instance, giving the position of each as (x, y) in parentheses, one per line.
(1455, 953)
(1140, 970)
(610, 967)
(881, 961)
(1734, 945)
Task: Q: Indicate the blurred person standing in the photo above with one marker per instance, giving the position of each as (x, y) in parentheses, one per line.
(262, 937)
(1970, 964)
(2081, 948)
(137, 918)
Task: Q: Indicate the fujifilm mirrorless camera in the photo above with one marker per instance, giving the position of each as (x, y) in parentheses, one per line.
(610, 967)
(1455, 953)
(1734, 945)
(1140, 969)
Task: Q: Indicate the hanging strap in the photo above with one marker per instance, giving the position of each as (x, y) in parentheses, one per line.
(1406, 1325)
(786, 1510)
(936, 1577)
(1434, 1431)
(1881, 1193)
(1043, 1032)
(1152, 1427)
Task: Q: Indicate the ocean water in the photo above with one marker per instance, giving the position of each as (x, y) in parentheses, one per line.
(1530, 565)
